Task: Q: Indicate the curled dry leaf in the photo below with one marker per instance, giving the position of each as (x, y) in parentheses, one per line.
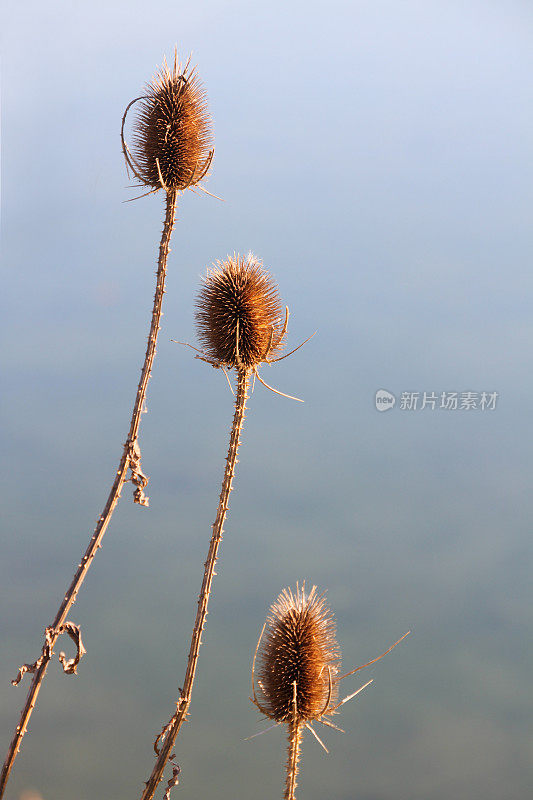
(138, 478)
(46, 655)
(70, 666)
(162, 736)
(173, 781)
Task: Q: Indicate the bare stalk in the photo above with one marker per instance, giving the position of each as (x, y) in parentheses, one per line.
(168, 736)
(293, 758)
(130, 460)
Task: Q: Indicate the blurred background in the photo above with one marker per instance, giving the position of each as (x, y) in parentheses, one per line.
(378, 157)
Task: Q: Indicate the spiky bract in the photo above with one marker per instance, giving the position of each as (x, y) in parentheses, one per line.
(239, 313)
(299, 645)
(172, 129)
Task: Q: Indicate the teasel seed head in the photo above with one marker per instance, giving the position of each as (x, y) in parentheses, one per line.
(299, 658)
(239, 313)
(172, 132)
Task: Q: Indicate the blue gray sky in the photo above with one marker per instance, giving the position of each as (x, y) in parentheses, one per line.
(378, 157)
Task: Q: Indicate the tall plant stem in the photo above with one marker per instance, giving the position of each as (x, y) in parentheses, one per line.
(293, 758)
(130, 459)
(294, 737)
(168, 737)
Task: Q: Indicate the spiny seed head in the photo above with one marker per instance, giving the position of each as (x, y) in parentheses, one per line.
(239, 313)
(299, 645)
(172, 130)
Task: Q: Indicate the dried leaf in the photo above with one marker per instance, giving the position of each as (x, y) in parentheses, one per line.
(69, 666)
(46, 655)
(161, 737)
(138, 478)
(165, 729)
(174, 779)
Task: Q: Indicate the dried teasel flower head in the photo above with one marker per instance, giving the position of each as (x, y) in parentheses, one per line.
(299, 658)
(299, 662)
(172, 132)
(239, 313)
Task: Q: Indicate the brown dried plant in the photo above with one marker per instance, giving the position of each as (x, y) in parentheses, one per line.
(299, 663)
(240, 323)
(172, 141)
(239, 314)
(172, 135)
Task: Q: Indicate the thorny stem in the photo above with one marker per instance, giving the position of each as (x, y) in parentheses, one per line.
(293, 757)
(171, 730)
(130, 459)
